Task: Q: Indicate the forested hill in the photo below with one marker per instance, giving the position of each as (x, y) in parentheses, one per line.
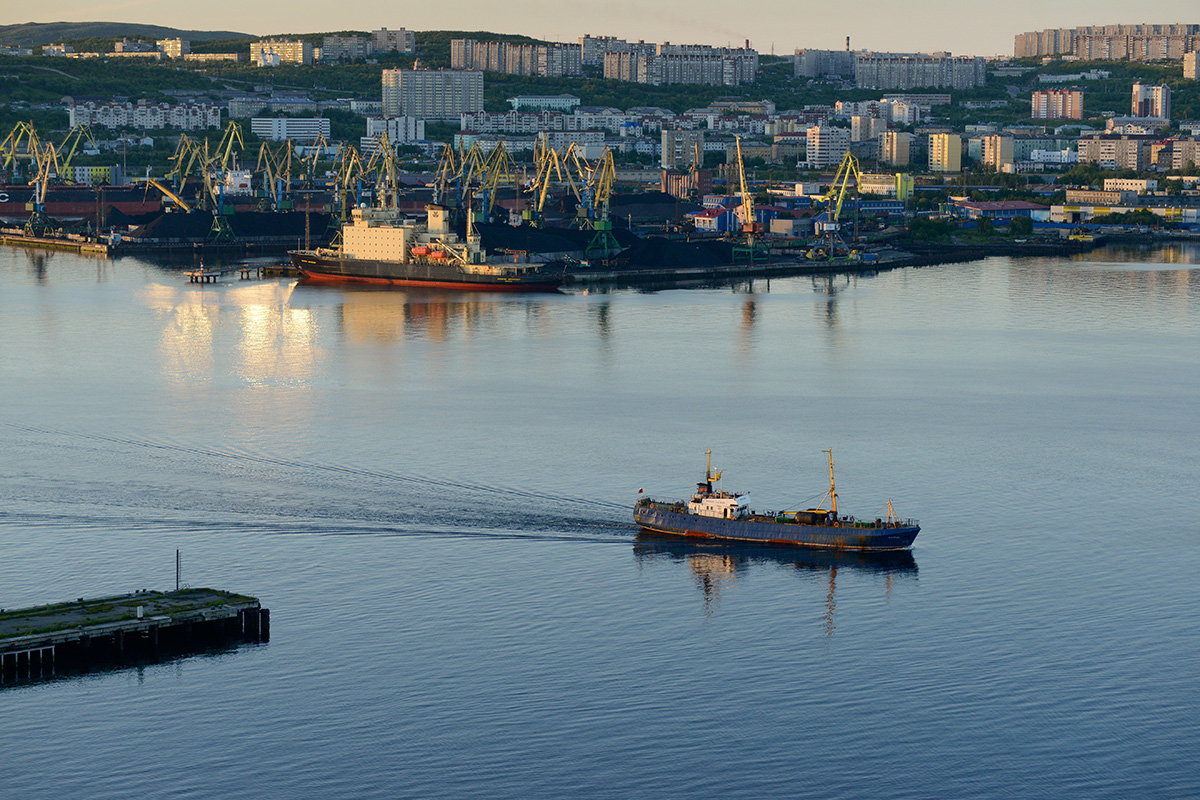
(39, 33)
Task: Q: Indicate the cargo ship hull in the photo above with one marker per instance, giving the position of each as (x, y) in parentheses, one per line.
(428, 274)
(72, 203)
(846, 536)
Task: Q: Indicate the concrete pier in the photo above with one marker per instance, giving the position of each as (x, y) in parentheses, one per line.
(38, 643)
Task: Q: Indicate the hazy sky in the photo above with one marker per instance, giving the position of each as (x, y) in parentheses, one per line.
(961, 26)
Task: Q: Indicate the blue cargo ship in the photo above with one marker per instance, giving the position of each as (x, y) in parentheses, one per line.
(714, 514)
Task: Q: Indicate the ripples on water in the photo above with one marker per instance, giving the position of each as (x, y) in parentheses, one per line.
(431, 493)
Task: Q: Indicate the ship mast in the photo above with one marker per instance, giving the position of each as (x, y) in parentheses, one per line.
(709, 475)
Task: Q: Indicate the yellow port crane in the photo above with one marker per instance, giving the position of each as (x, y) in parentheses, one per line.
(834, 200)
(749, 245)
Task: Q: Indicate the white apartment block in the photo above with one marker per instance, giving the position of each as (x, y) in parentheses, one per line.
(398, 41)
(826, 145)
(914, 70)
(399, 130)
(146, 116)
(296, 129)
(431, 94)
(270, 52)
(679, 148)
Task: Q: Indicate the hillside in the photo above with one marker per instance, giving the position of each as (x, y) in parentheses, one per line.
(39, 33)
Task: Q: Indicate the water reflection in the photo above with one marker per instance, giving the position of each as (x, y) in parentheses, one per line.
(381, 316)
(716, 566)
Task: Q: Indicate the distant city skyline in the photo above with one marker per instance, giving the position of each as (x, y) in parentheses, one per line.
(922, 25)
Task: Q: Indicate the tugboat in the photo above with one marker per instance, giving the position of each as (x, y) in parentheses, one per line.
(712, 514)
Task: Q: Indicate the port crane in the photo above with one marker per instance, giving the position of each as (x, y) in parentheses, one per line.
(834, 199)
(751, 230)
(595, 190)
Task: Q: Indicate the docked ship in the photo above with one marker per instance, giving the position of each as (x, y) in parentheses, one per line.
(713, 514)
(77, 202)
(380, 246)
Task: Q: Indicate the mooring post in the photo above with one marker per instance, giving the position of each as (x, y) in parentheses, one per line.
(264, 615)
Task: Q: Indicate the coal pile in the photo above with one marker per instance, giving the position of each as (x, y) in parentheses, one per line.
(498, 237)
(246, 225)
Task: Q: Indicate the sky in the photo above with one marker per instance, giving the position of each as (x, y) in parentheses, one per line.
(965, 27)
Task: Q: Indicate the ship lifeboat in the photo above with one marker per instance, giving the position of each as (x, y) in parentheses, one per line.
(420, 250)
(437, 254)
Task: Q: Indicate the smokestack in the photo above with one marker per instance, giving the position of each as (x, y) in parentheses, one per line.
(847, 44)
(747, 44)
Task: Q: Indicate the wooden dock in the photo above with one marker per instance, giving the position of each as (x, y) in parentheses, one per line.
(245, 271)
(41, 642)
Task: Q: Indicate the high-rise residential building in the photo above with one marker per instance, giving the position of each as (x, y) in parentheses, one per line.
(1151, 101)
(398, 41)
(281, 51)
(1111, 42)
(1057, 104)
(296, 129)
(672, 63)
(399, 130)
(431, 94)
(864, 128)
(809, 63)
(1114, 151)
(826, 145)
(679, 148)
(896, 148)
(998, 151)
(544, 60)
(174, 48)
(349, 48)
(1191, 65)
(916, 70)
(945, 152)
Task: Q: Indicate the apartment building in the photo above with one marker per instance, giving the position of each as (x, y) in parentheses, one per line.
(174, 48)
(999, 151)
(1111, 42)
(296, 129)
(896, 148)
(399, 130)
(673, 64)
(1191, 63)
(914, 70)
(945, 152)
(1151, 101)
(826, 145)
(146, 116)
(1057, 104)
(346, 48)
(864, 129)
(809, 63)
(281, 51)
(431, 94)
(1116, 151)
(548, 61)
(679, 148)
(398, 41)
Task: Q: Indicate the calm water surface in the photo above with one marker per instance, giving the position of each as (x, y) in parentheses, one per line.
(431, 492)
